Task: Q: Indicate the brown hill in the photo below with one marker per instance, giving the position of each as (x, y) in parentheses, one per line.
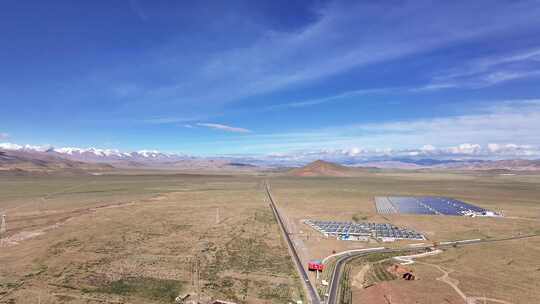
(511, 164)
(24, 161)
(322, 168)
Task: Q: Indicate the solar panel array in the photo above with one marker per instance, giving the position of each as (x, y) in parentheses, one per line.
(374, 230)
(426, 205)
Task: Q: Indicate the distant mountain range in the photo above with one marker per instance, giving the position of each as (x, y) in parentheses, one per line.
(324, 168)
(94, 155)
(472, 164)
(31, 161)
(47, 158)
(35, 158)
(111, 156)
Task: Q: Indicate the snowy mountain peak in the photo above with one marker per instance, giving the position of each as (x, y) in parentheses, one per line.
(150, 153)
(94, 151)
(30, 148)
(95, 154)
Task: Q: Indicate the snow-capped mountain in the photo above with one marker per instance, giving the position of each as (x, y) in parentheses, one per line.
(96, 154)
(46, 158)
(16, 147)
(472, 157)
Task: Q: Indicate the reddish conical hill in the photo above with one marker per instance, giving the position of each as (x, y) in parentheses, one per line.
(321, 168)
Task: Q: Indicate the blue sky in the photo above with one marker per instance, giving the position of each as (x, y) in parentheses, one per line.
(254, 77)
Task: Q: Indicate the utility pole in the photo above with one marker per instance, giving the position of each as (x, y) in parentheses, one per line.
(198, 281)
(217, 215)
(3, 229)
(3, 225)
(191, 277)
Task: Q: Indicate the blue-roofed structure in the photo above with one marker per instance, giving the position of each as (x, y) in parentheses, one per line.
(428, 205)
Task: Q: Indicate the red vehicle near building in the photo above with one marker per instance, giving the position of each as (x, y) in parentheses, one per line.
(315, 265)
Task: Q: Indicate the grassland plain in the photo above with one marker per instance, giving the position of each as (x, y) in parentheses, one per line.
(141, 239)
(506, 271)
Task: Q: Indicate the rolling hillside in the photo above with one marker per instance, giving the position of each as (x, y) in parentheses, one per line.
(24, 161)
(322, 168)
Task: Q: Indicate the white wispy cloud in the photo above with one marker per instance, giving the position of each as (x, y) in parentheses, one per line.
(488, 71)
(512, 121)
(503, 76)
(336, 42)
(223, 127)
(4, 135)
(465, 151)
(502, 122)
(333, 98)
(10, 146)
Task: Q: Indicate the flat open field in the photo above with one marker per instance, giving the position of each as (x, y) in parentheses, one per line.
(141, 239)
(146, 238)
(496, 270)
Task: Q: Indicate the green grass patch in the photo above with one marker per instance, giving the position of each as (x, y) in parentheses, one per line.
(149, 288)
(265, 216)
(378, 273)
(376, 257)
(359, 217)
(345, 291)
(280, 293)
(62, 246)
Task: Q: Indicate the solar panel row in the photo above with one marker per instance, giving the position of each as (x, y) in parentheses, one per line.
(384, 206)
(425, 205)
(409, 205)
(375, 230)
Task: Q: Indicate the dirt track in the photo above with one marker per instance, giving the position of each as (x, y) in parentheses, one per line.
(455, 285)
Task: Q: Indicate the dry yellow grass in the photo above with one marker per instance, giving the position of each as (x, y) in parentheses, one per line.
(485, 269)
(138, 239)
(507, 270)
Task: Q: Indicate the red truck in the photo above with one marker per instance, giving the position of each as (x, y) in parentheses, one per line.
(315, 265)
